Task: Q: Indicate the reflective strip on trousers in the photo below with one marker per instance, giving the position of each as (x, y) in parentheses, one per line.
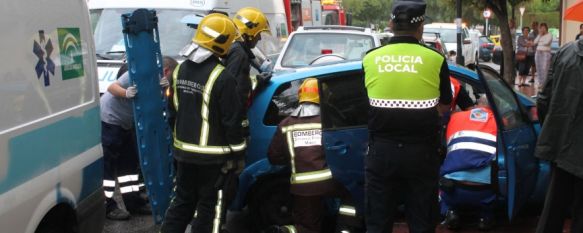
(290, 228)
(406, 104)
(108, 194)
(218, 209)
(301, 127)
(127, 178)
(309, 177)
(130, 188)
(347, 210)
(471, 146)
(473, 134)
(109, 183)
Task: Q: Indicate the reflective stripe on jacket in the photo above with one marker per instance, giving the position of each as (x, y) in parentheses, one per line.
(208, 119)
(471, 140)
(298, 142)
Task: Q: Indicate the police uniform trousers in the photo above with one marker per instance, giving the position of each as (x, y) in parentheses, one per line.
(121, 165)
(397, 172)
(564, 196)
(196, 189)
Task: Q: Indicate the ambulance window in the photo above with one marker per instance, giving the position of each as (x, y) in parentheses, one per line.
(283, 103)
(343, 101)
(506, 103)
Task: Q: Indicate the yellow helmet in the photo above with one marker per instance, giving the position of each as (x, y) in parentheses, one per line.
(251, 21)
(216, 33)
(308, 91)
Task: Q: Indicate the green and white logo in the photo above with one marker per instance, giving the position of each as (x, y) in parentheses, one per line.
(71, 53)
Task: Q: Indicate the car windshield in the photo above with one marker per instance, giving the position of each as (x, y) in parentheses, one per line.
(446, 35)
(109, 42)
(305, 48)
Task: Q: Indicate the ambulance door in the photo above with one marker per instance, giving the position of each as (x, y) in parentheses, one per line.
(517, 166)
(344, 111)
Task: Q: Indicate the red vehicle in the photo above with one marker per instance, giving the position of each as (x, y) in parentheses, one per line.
(314, 13)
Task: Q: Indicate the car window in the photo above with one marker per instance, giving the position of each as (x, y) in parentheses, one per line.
(446, 35)
(342, 108)
(506, 103)
(304, 48)
(283, 102)
(484, 39)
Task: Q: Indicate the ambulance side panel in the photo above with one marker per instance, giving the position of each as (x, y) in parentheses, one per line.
(50, 148)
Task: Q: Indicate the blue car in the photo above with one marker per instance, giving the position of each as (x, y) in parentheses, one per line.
(264, 189)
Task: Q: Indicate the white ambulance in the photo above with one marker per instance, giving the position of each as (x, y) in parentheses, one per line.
(173, 17)
(51, 162)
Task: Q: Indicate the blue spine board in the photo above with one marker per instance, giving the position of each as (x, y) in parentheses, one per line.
(150, 105)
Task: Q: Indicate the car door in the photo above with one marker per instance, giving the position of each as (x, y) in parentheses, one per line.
(517, 166)
(344, 111)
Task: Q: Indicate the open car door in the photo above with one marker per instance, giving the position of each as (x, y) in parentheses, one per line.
(517, 166)
(344, 112)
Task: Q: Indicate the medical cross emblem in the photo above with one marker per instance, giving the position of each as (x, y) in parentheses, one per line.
(45, 66)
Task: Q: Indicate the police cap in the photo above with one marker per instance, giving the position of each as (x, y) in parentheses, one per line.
(408, 11)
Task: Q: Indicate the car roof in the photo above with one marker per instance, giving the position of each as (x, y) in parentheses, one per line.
(441, 25)
(335, 29)
(290, 75)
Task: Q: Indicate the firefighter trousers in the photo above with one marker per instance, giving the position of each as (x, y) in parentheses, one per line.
(396, 172)
(196, 189)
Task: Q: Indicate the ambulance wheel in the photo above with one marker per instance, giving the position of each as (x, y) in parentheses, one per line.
(270, 203)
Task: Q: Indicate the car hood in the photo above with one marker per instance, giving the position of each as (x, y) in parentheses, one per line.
(451, 46)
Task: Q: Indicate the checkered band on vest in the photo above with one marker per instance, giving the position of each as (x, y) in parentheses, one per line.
(407, 104)
(417, 19)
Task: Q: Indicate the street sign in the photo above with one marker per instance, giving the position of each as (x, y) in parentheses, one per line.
(487, 14)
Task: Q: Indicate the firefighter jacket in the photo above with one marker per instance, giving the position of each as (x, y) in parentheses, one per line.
(238, 63)
(405, 80)
(460, 96)
(298, 143)
(471, 140)
(208, 113)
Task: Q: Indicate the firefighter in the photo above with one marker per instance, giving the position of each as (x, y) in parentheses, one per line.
(298, 143)
(408, 87)
(460, 95)
(466, 171)
(207, 136)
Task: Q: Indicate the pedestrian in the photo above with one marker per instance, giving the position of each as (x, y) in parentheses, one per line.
(298, 143)
(408, 87)
(533, 34)
(542, 57)
(208, 135)
(466, 170)
(118, 139)
(580, 34)
(561, 141)
(524, 56)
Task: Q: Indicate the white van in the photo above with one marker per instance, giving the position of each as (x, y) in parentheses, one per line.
(173, 16)
(51, 162)
(448, 34)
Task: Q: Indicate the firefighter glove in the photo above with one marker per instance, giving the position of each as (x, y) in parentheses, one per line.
(131, 92)
(263, 79)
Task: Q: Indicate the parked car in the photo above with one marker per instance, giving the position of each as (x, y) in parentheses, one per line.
(433, 41)
(486, 48)
(309, 45)
(448, 34)
(264, 188)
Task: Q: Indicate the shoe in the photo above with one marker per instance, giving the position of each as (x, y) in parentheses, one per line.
(485, 224)
(118, 214)
(531, 81)
(452, 220)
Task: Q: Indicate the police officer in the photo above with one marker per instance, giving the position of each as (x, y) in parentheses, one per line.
(408, 86)
(298, 143)
(466, 171)
(208, 127)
